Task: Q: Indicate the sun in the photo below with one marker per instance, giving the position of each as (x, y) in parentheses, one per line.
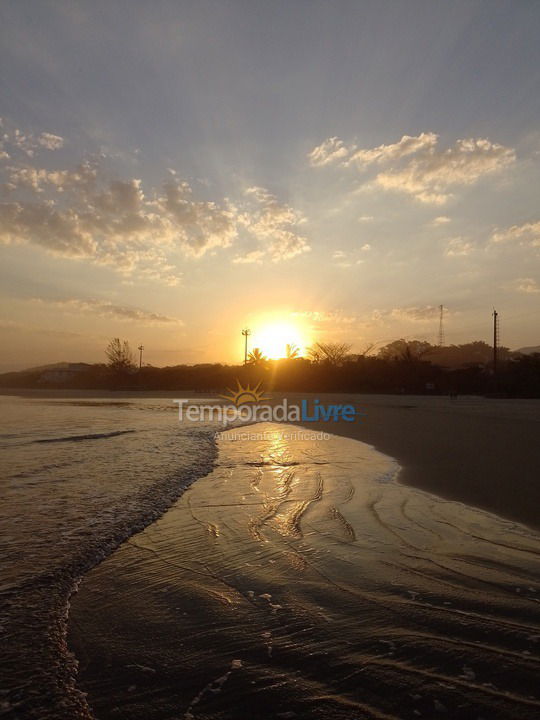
(272, 339)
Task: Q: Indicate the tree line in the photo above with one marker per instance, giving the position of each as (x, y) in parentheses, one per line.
(403, 366)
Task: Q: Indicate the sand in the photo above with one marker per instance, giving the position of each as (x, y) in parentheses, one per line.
(301, 580)
(481, 451)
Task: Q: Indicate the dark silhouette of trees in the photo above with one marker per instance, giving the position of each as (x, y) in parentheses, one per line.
(120, 356)
(405, 350)
(257, 358)
(407, 368)
(330, 353)
(292, 351)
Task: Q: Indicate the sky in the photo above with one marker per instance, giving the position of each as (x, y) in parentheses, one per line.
(172, 172)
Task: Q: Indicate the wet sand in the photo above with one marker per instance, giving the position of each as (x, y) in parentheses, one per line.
(481, 451)
(301, 580)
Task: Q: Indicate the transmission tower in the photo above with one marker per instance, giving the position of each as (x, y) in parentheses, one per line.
(496, 338)
(441, 326)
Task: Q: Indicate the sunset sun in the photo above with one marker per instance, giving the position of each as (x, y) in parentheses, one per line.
(272, 339)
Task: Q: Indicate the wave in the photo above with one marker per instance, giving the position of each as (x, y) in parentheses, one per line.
(86, 436)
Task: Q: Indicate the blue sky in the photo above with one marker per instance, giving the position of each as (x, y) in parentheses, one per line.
(173, 170)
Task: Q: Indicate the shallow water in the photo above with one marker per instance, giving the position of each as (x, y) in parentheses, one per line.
(78, 477)
(299, 579)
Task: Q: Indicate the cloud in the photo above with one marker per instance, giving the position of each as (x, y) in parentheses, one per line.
(527, 235)
(440, 220)
(366, 218)
(458, 246)
(329, 151)
(414, 314)
(50, 141)
(28, 143)
(526, 285)
(272, 227)
(429, 177)
(326, 317)
(416, 166)
(253, 256)
(345, 259)
(196, 226)
(408, 145)
(106, 309)
(81, 213)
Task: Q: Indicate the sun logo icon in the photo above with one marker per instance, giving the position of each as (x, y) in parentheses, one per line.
(247, 394)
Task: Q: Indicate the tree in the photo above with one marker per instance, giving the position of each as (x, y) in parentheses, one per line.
(330, 353)
(405, 350)
(120, 357)
(292, 352)
(257, 358)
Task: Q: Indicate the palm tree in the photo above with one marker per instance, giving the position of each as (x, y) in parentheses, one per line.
(292, 351)
(256, 358)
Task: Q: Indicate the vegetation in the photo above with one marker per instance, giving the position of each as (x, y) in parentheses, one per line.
(400, 367)
(257, 359)
(120, 356)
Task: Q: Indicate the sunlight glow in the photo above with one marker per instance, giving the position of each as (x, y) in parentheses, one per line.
(273, 339)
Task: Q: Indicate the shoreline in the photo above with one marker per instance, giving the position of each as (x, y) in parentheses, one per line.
(476, 450)
(251, 586)
(483, 453)
(40, 676)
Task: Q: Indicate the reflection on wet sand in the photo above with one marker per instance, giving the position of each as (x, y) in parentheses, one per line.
(299, 579)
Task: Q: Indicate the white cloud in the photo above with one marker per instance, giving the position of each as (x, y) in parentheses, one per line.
(50, 141)
(458, 246)
(366, 247)
(414, 314)
(326, 317)
(272, 227)
(526, 285)
(527, 234)
(80, 213)
(196, 226)
(253, 256)
(408, 145)
(28, 143)
(330, 151)
(416, 166)
(440, 220)
(109, 310)
(366, 218)
(430, 176)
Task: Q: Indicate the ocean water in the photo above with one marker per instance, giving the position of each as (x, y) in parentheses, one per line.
(299, 579)
(78, 477)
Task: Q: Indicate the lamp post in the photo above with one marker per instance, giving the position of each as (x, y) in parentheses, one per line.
(246, 333)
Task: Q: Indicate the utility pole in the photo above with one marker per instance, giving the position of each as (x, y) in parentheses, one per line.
(246, 333)
(441, 328)
(140, 349)
(495, 340)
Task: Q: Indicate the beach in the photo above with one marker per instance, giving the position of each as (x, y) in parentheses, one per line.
(336, 570)
(303, 578)
(481, 451)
